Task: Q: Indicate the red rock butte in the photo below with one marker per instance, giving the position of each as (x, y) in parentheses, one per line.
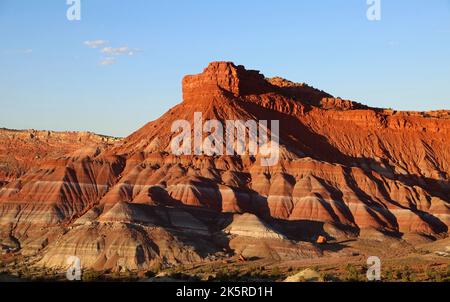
(223, 78)
(346, 171)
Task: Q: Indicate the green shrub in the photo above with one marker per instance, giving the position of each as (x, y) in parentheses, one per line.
(325, 277)
(434, 276)
(226, 275)
(352, 274)
(276, 271)
(389, 275)
(405, 275)
(91, 276)
(154, 270)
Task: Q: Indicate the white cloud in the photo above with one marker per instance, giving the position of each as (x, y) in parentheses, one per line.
(107, 61)
(19, 52)
(95, 43)
(124, 50)
(110, 54)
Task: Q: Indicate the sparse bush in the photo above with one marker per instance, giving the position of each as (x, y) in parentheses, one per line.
(276, 271)
(406, 274)
(325, 277)
(226, 275)
(91, 276)
(352, 273)
(154, 270)
(115, 276)
(434, 276)
(180, 268)
(389, 275)
(129, 275)
(179, 276)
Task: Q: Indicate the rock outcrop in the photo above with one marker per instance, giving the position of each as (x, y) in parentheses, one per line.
(344, 168)
(23, 150)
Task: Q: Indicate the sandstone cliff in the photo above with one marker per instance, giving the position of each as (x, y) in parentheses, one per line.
(345, 170)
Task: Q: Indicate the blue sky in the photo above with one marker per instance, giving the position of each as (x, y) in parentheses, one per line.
(50, 79)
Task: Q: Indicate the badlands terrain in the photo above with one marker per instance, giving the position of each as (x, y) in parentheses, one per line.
(20, 151)
(372, 181)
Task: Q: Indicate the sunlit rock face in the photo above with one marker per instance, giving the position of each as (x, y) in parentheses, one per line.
(344, 168)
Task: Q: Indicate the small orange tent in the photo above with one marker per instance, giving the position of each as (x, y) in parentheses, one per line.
(321, 240)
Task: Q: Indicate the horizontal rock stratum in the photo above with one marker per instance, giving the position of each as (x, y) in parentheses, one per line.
(345, 170)
(23, 150)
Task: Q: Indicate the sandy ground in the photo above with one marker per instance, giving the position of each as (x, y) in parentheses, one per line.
(342, 261)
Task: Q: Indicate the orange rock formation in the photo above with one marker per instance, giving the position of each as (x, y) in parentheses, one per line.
(344, 168)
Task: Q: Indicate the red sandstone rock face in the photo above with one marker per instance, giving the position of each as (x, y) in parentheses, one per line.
(220, 78)
(20, 151)
(344, 167)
